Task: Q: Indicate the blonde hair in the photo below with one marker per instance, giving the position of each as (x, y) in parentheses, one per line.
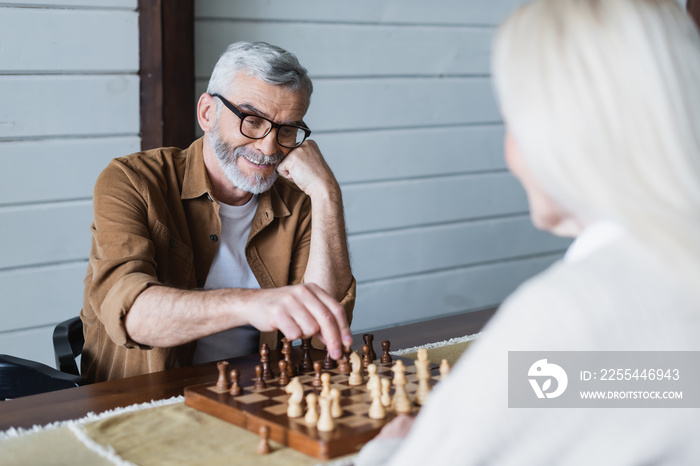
(603, 99)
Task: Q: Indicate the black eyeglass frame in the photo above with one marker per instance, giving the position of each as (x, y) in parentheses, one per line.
(242, 116)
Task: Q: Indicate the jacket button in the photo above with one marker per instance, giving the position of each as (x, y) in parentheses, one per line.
(214, 238)
(172, 243)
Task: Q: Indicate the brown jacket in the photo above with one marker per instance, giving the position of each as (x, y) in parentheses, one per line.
(156, 222)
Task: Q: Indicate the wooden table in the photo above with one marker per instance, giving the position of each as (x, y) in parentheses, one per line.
(74, 403)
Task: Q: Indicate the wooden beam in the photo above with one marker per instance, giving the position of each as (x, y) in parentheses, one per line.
(166, 29)
(693, 7)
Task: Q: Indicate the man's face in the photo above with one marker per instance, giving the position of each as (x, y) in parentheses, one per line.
(250, 164)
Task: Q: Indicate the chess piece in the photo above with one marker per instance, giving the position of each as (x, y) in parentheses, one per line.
(265, 362)
(423, 372)
(343, 364)
(366, 361)
(236, 388)
(368, 338)
(307, 364)
(222, 382)
(284, 378)
(296, 391)
(317, 378)
(356, 377)
(400, 403)
(264, 445)
(326, 384)
(336, 410)
(311, 417)
(328, 362)
(444, 369)
(259, 381)
(287, 352)
(386, 357)
(376, 409)
(386, 398)
(325, 420)
(372, 377)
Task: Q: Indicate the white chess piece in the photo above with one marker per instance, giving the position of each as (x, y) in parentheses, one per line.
(311, 417)
(325, 420)
(297, 394)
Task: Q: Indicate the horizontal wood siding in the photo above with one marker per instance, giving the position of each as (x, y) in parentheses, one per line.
(69, 89)
(404, 112)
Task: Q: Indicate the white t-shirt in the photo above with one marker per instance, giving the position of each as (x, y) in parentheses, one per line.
(230, 269)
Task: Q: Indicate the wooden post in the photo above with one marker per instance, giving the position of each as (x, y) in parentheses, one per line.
(166, 30)
(693, 7)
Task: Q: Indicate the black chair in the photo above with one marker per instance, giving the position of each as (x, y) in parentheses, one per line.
(22, 377)
(68, 341)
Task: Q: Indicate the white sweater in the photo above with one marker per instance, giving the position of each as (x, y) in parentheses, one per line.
(616, 297)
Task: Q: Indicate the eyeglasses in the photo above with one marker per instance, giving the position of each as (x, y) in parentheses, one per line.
(257, 127)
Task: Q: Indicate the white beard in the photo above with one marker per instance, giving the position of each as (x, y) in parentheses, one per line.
(227, 157)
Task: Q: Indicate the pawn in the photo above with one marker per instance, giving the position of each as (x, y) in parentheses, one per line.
(311, 417)
(236, 388)
(444, 369)
(284, 378)
(386, 398)
(264, 445)
(368, 338)
(386, 357)
(325, 420)
(222, 383)
(366, 359)
(343, 364)
(336, 410)
(376, 409)
(317, 378)
(326, 384)
(328, 362)
(259, 381)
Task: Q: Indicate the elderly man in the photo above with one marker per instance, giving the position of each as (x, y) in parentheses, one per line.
(205, 253)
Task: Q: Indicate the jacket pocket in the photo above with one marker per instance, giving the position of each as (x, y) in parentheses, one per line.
(174, 259)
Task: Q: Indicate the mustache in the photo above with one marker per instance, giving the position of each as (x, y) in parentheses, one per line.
(256, 156)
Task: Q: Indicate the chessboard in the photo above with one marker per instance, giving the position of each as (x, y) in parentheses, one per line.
(267, 407)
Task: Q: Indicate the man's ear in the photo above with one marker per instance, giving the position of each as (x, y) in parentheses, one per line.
(206, 112)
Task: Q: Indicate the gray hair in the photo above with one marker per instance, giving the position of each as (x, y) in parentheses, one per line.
(602, 98)
(268, 63)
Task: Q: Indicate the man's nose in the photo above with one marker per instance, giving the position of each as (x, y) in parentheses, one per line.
(268, 145)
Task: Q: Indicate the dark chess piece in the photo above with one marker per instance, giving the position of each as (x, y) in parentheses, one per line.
(317, 382)
(265, 362)
(287, 352)
(284, 378)
(366, 361)
(307, 364)
(259, 381)
(264, 445)
(236, 388)
(222, 382)
(369, 341)
(386, 357)
(328, 362)
(343, 364)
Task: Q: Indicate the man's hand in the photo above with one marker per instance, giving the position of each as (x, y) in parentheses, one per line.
(301, 311)
(306, 167)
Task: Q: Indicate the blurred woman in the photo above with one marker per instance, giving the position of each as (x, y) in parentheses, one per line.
(601, 100)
